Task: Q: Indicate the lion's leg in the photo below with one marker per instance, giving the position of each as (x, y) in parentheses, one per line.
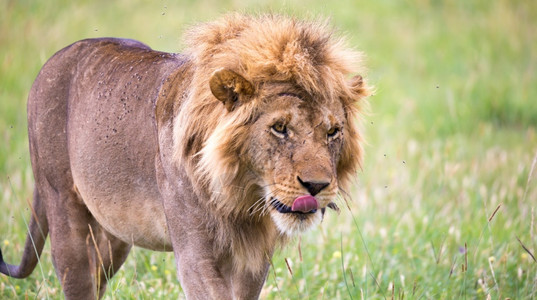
(68, 222)
(107, 258)
(246, 285)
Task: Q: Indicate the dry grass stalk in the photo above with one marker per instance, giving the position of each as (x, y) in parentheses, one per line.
(495, 211)
(288, 267)
(526, 249)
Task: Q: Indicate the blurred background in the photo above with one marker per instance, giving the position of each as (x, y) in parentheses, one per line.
(445, 205)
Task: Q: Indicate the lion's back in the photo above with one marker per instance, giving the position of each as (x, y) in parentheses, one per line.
(80, 84)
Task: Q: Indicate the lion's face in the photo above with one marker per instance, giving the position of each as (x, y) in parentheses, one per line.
(294, 148)
(278, 149)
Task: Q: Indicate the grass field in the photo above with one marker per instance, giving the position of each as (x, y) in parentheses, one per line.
(448, 192)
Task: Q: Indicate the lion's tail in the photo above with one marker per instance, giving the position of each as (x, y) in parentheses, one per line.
(35, 240)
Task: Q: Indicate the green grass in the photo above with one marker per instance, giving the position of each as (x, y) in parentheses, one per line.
(451, 137)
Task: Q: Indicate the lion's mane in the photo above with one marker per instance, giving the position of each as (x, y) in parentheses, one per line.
(210, 142)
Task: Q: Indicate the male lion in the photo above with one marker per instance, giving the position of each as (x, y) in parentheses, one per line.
(219, 154)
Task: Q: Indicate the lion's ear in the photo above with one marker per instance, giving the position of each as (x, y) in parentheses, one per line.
(358, 87)
(228, 87)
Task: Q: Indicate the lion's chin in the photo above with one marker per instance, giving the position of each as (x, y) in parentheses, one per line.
(295, 223)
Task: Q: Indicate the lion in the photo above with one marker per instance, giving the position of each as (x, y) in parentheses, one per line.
(220, 154)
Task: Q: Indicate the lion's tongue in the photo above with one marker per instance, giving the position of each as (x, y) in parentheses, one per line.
(305, 204)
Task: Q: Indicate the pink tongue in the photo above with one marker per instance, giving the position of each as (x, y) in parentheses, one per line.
(305, 204)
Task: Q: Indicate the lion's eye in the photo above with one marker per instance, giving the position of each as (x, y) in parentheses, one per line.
(279, 129)
(332, 132)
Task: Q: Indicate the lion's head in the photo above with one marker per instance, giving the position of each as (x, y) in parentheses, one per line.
(285, 140)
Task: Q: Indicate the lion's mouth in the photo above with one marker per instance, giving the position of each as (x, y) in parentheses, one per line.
(284, 209)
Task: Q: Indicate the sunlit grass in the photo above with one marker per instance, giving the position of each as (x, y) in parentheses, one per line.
(451, 139)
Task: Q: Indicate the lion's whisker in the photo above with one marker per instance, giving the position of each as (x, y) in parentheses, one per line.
(257, 206)
(261, 206)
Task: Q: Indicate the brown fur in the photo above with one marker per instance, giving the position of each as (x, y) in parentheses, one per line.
(133, 146)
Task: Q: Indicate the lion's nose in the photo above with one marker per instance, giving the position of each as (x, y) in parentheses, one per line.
(313, 187)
